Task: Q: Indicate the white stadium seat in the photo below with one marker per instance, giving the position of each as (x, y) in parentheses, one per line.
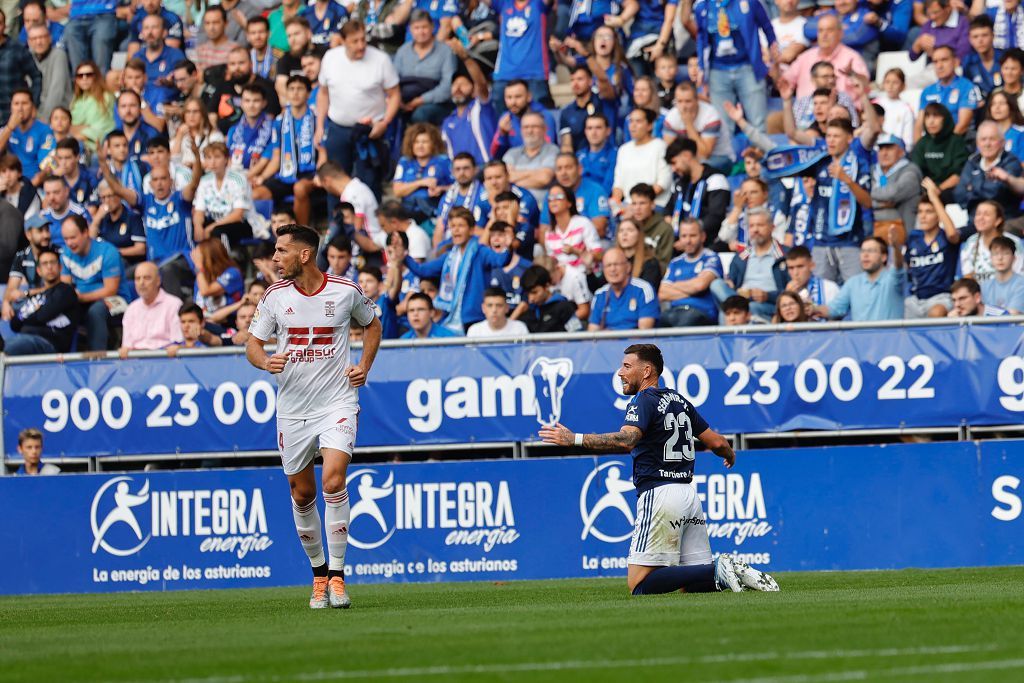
(919, 73)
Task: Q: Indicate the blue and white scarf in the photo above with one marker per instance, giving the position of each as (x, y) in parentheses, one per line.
(881, 178)
(247, 142)
(842, 205)
(791, 160)
(452, 198)
(262, 67)
(1009, 29)
(452, 288)
(816, 291)
(298, 155)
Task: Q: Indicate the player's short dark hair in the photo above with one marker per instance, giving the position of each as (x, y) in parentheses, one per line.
(494, 291)
(341, 243)
(1003, 242)
(535, 276)
(394, 210)
(300, 233)
(970, 284)
(71, 145)
(678, 146)
(191, 308)
(981, 21)
(420, 296)
(648, 353)
(372, 271)
(643, 190)
(736, 303)
(799, 251)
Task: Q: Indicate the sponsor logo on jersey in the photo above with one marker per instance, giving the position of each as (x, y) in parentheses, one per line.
(604, 510)
(289, 311)
(308, 344)
(126, 517)
(470, 513)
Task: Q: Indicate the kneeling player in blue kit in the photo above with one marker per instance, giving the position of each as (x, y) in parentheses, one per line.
(670, 550)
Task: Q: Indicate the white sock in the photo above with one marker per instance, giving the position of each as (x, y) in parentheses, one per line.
(307, 523)
(336, 516)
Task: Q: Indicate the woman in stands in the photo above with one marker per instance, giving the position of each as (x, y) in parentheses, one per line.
(1004, 110)
(424, 172)
(223, 202)
(630, 238)
(975, 257)
(92, 107)
(790, 308)
(645, 96)
(572, 239)
(219, 282)
(195, 123)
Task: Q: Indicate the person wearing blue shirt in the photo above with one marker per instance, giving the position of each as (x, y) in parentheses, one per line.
(160, 60)
(858, 32)
(573, 117)
(625, 302)
(876, 293)
(650, 34)
(94, 269)
(81, 184)
(522, 48)
(981, 65)
(33, 13)
(497, 183)
(117, 224)
(932, 254)
(371, 281)
(463, 272)
(896, 17)
(1005, 289)
(729, 53)
(419, 309)
(598, 156)
(172, 22)
(424, 171)
(58, 206)
(955, 93)
(138, 132)
(1008, 20)
(91, 33)
(518, 101)
(508, 278)
(687, 282)
(465, 191)
(325, 19)
(470, 127)
(25, 136)
(591, 199)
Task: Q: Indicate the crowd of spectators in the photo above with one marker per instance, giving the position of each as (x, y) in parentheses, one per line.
(712, 162)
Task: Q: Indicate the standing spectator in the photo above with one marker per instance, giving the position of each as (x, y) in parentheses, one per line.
(650, 35)
(419, 309)
(219, 282)
(877, 292)
(463, 271)
(358, 100)
(789, 31)
(1005, 289)
(813, 290)
(572, 119)
(95, 270)
(845, 60)
(698, 191)
(30, 448)
(899, 116)
(325, 19)
(214, 50)
(547, 311)
(641, 160)
(471, 125)
(424, 171)
(895, 188)
(975, 254)
(991, 173)
(45, 319)
(172, 24)
(522, 48)
(759, 273)
(625, 302)
(91, 34)
(599, 155)
(981, 64)
(572, 239)
(955, 93)
(702, 123)
(26, 136)
(730, 55)
(657, 232)
(300, 41)
(687, 282)
(24, 272)
(945, 27)
(1007, 18)
(223, 205)
(518, 102)
(496, 322)
(940, 153)
(159, 59)
(58, 206)
(967, 301)
(931, 255)
(117, 224)
(55, 74)
(532, 165)
(425, 67)
(92, 107)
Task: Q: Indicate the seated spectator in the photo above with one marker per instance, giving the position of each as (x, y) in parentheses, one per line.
(573, 116)
(214, 50)
(16, 188)
(219, 282)
(24, 272)
(151, 321)
(687, 282)
(895, 188)
(518, 101)
(591, 199)
(931, 254)
(629, 237)
(339, 259)
(371, 281)
(223, 205)
(159, 59)
(292, 153)
(759, 272)
(188, 85)
(251, 135)
(656, 230)
(666, 77)
(698, 191)
(424, 171)
(419, 309)
(496, 322)
(790, 308)
(547, 311)
(645, 96)
(196, 124)
(463, 271)
(736, 311)
(193, 331)
(1004, 111)
(940, 153)
(991, 173)
(159, 154)
(831, 49)
(257, 37)
(702, 123)
(598, 156)
(946, 27)
(425, 66)
(975, 253)
(95, 270)
(465, 191)
(26, 136)
(1007, 17)
(572, 239)
(625, 302)
(955, 93)
(52, 62)
(45, 319)
(813, 290)
(1011, 69)
(78, 178)
(641, 160)
(753, 193)
(471, 125)
(57, 206)
(117, 224)
(532, 164)
(128, 115)
(243, 319)
(33, 15)
(500, 236)
(1005, 289)
(899, 116)
(30, 448)
(92, 106)
(981, 64)
(967, 301)
(875, 294)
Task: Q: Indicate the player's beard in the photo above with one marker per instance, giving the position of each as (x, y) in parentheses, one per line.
(292, 273)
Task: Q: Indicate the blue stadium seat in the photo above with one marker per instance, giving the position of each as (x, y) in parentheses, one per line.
(739, 143)
(264, 207)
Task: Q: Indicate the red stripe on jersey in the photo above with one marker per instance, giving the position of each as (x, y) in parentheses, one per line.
(344, 281)
(323, 341)
(280, 284)
(298, 330)
(323, 330)
(298, 341)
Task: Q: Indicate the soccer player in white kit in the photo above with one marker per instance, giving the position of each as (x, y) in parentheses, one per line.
(310, 314)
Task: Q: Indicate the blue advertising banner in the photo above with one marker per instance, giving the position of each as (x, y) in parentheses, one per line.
(862, 507)
(478, 393)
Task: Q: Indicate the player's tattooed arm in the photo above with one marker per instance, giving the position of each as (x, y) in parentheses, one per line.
(625, 439)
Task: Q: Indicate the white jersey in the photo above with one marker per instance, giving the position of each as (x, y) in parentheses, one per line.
(313, 330)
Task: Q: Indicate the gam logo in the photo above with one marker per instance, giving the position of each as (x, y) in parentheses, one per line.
(604, 490)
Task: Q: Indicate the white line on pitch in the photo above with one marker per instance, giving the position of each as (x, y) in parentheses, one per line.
(576, 665)
(864, 674)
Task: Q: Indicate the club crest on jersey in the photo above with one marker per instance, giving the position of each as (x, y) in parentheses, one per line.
(329, 309)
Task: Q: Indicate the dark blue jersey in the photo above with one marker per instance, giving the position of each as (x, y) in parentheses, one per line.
(664, 454)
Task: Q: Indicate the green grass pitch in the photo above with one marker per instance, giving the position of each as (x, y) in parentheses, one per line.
(955, 625)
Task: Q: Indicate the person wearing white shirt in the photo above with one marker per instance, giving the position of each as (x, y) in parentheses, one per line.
(496, 322)
(641, 160)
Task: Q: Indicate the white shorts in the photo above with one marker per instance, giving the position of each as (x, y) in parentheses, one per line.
(670, 528)
(298, 440)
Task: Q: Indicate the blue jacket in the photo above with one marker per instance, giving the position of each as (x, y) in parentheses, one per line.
(976, 186)
(748, 16)
(738, 270)
(478, 280)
